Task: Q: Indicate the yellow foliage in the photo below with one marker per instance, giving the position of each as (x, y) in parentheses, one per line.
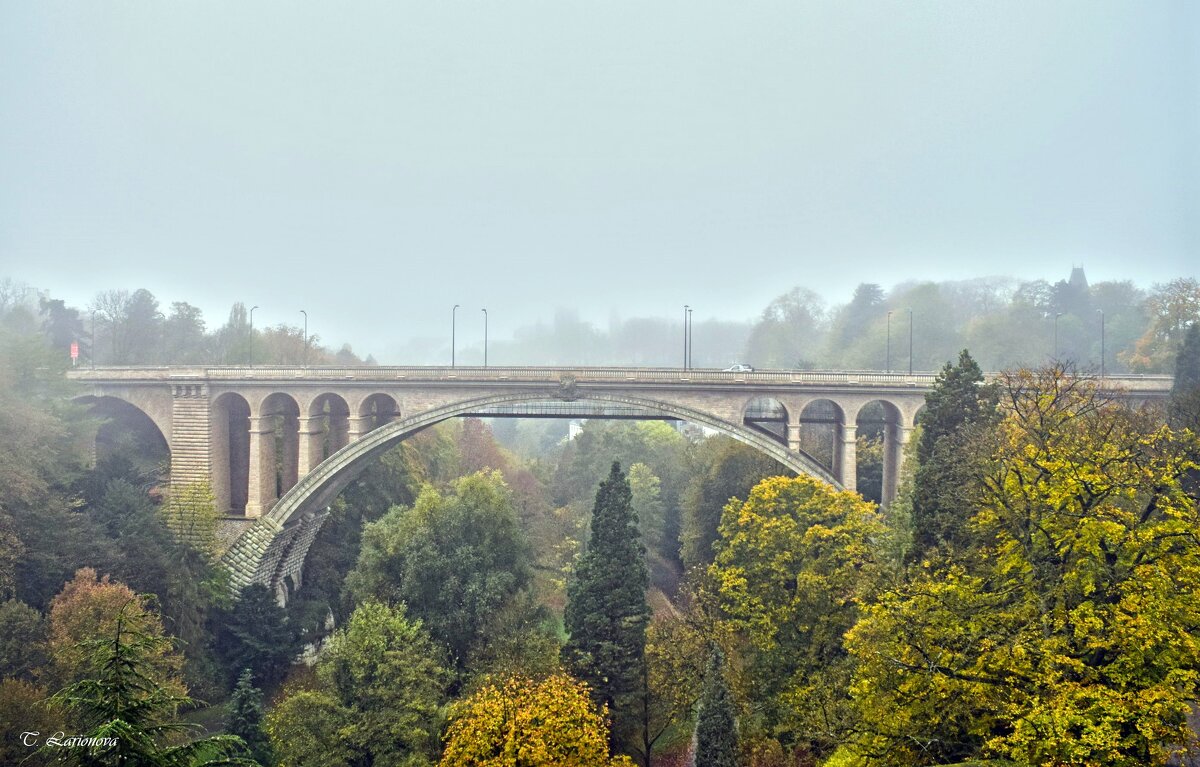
(520, 722)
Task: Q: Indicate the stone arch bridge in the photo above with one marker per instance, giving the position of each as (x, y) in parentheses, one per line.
(277, 444)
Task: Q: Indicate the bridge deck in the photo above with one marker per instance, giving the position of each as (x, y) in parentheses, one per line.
(598, 375)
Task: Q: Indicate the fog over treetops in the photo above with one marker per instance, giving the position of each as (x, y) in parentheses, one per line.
(1004, 322)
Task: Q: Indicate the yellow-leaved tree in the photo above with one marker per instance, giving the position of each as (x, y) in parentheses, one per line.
(522, 722)
(791, 564)
(1066, 633)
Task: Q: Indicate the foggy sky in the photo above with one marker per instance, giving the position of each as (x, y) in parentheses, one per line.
(376, 163)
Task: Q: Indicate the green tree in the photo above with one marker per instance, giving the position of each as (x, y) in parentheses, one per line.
(42, 539)
(959, 406)
(790, 332)
(727, 469)
(670, 682)
(245, 718)
(255, 634)
(378, 700)
(716, 728)
(453, 559)
(606, 614)
(22, 641)
(184, 335)
(191, 514)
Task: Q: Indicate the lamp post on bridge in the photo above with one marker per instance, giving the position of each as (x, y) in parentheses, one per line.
(1101, 313)
(889, 341)
(250, 344)
(485, 320)
(453, 331)
(690, 338)
(910, 339)
(305, 337)
(1056, 316)
(685, 336)
(92, 351)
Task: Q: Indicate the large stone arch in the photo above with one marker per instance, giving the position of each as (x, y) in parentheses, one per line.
(154, 405)
(273, 549)
(119, 415)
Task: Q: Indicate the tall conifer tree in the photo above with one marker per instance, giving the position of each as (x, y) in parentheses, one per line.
(959, 405)
(716, 728)
(245, 718)
(606, 612)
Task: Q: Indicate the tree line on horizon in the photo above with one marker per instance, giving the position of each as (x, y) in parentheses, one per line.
(1006, 323)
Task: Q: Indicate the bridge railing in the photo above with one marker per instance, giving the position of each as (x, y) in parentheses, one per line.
(552, 375)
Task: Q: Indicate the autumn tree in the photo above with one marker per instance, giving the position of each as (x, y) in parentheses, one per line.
(671, 681)
(25, 707)
(522, 722)
(88, 608)
(606, 614)
(127, 712)
(1064, 634)
(1173, 307)
(792, 561)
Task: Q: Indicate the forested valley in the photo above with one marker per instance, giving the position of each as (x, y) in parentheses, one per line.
(500, 592)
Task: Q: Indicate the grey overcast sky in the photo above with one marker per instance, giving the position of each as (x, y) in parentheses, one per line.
(377, 162)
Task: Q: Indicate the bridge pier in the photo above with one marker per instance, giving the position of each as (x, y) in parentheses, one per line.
(262, 491)
(847, 460)
(358, 426)
(896, 438)
(311, 450)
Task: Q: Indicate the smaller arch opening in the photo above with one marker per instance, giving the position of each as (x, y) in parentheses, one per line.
(378, 410)
(280, 415)
(327, 430)
(877, 450)
(769, 416)
(821, 432)
(231, 452)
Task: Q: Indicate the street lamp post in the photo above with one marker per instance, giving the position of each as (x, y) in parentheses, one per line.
(685, 336)
(453, 331)
(305, 337)
(1056, 316)
(92, 351)
(889, 342)
(1101, 313)
(250, 346)
(485, 337)
(910, 339)
(690, 336)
